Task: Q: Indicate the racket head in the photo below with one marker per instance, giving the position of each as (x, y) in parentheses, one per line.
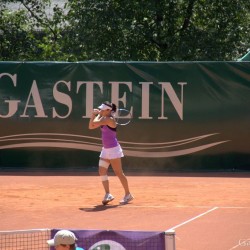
(122, 117)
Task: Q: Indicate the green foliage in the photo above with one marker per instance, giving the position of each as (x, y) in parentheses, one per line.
(155, 30)
(13, 35)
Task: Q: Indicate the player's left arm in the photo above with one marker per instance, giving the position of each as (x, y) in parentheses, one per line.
(98, 120)
(94, 119)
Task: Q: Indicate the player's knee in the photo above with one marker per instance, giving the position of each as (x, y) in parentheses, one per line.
(102, 171)
(103, 164)
(104, 178)
(119, 173)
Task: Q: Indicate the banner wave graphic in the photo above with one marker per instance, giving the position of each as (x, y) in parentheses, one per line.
(88, 143)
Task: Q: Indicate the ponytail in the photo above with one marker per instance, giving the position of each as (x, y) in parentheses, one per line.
(113, 107)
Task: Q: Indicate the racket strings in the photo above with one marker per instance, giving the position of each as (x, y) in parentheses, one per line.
(122, 117)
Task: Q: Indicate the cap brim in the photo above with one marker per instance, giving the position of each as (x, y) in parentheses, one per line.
(104, 107)
(51, 242)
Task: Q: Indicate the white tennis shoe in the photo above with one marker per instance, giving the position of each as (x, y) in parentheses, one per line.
(107, 198)
(127, 198)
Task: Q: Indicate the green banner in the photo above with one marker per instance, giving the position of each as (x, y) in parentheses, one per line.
(186, 116)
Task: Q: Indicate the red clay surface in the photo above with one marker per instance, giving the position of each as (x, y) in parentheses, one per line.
(207, 212)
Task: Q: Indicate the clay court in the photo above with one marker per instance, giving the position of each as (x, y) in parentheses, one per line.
(207, 211)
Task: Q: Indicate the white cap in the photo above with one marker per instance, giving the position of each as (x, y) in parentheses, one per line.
(105, 107)
(64, 237)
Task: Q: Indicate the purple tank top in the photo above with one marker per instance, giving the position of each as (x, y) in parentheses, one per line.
(109, 139)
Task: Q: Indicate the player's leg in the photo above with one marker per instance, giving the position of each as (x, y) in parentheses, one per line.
(117, 167)
(103, 172)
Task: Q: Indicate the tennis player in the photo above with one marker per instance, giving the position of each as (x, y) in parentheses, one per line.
(111, 153)
(64, 240)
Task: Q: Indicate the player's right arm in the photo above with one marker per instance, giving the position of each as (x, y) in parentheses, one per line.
(95, 116)
(97, 120)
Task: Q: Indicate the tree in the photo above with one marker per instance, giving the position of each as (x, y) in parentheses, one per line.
(14, 35)
(30, 33)
(153, 30)
(161, 29)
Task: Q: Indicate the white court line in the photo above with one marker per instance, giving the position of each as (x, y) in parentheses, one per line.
(156, 206)
(235, 207)
(234, 247)
(210, 206)
(241, 244)
(194, 218)
(148, 206)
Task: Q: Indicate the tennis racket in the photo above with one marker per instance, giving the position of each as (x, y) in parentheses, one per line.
(122, 117)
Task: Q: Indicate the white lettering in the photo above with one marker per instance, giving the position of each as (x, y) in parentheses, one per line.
(62, 98)
(145, 100)
(120, 93)
(115, 91)
(34, 94)
(178, 105)
(12, 104)
(89, 95)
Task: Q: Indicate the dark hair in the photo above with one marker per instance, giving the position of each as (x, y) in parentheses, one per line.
(111, 105)
(72, 247)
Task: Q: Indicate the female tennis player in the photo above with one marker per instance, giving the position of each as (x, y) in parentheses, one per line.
(111, 151)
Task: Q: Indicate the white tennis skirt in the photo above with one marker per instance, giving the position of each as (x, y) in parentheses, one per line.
(112, 153)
